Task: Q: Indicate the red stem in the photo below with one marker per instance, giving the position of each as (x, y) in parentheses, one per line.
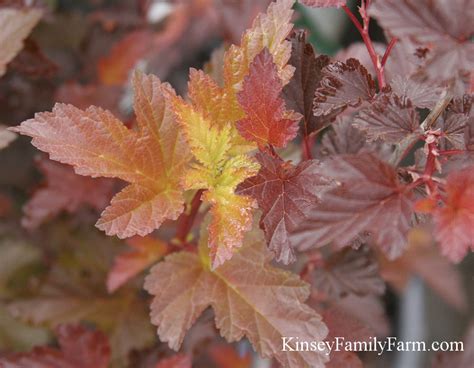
(392, 43)
(186, 222)
(307, 143)
(364, 32)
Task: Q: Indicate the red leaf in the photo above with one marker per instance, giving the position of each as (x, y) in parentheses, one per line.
(454, 221)
(324, 3)
(79, 348)
(343, 84)
(146, 251)
(389, 118)
(285, 194)
(267, 121)
(64, 191)
(369, 197)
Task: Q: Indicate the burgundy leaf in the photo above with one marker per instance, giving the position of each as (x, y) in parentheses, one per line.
(390, 118)
(456, 124)
(285, 194)
(429, 23)
(370, 198)
(346, 272)
(422, 95)
(299, 93)
(343, 84)
(344, 138)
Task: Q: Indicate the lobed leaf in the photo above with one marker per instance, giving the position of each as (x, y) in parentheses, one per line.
(266, 122)
(369, 197)
(250, 298)
(285, 194)
(390, 118)
(343, 85)
(218, 170)
(429, 24)
(422, 95)
(150, 158)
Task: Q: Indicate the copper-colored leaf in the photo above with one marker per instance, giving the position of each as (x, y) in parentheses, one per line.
(145, 251)
(369, 197)
(150, 158)
(15, 26)
(266, 121)
(64, 191)
(343, 84)
(286, 194)
(390, 118)
(249, 297)
(78, 348)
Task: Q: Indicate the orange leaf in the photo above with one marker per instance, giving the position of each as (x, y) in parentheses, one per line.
(150, 158)
(249, 296)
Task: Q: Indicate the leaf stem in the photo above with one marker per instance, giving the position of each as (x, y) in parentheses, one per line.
(379, 64)
(307, 140)
(186, 221)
